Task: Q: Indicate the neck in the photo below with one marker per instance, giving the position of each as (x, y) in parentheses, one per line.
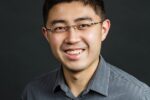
(78, 80)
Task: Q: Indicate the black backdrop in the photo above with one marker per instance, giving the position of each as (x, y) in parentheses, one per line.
(25, 54)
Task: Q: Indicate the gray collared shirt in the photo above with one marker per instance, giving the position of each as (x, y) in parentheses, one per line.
(107, 83)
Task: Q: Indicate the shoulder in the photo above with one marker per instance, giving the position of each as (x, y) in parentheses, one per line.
(41, 85)
(127, 84)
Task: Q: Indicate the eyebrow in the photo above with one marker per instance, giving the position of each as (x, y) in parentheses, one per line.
(57, 21)
(76, 20)
(83, 19)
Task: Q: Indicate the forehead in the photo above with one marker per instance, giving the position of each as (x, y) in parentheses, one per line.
(71, 11)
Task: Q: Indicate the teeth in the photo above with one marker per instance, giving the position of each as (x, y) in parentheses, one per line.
(73, 52)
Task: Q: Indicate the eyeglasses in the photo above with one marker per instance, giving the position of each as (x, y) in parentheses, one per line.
(62, 29)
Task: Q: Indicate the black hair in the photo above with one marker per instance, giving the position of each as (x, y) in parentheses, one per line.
(98, 6)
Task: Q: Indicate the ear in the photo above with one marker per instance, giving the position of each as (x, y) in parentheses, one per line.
(105, 29)
(45, 33)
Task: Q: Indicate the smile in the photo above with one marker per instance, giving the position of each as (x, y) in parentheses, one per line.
(74, 52)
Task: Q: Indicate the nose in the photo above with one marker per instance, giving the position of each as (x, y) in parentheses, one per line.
(72, 36)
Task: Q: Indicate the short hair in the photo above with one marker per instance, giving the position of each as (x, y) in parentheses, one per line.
(97, 5)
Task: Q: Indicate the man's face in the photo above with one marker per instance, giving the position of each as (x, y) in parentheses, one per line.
(76, 49)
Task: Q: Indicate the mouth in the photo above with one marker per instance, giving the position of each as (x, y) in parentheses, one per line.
(74, 51)
(74, 54)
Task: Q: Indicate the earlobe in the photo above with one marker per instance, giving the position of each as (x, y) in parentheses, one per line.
(105, 28)
(45, 33)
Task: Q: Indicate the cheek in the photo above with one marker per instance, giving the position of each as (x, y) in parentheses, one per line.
(93, 37)
(54, 42)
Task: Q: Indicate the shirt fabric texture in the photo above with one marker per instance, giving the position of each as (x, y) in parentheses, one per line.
(107, 83)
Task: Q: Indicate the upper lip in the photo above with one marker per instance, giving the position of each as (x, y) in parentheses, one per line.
(66, 48)
(72, 47)
(69, 49)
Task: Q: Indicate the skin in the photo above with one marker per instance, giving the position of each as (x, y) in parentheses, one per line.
(78, 68)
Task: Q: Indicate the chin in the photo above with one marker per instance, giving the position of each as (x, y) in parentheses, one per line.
(75, 68)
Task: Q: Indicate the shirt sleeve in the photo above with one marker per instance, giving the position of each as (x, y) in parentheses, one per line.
(146, 95)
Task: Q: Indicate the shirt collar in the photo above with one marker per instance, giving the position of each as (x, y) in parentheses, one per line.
(60, 82)
(99, 82)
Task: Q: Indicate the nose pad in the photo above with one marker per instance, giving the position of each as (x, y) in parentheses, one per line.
(74, 27)
(72, 36)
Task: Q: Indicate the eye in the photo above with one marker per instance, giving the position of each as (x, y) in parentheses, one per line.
(59, 29)
(83, 26)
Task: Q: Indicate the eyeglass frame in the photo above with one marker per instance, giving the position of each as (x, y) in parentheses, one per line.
(74, 26)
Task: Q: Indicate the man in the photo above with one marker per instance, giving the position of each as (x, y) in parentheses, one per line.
(75, 30)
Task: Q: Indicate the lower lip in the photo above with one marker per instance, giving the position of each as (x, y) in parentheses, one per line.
(73, 56)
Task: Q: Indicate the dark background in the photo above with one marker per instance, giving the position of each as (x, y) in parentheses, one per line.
(25, 54)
